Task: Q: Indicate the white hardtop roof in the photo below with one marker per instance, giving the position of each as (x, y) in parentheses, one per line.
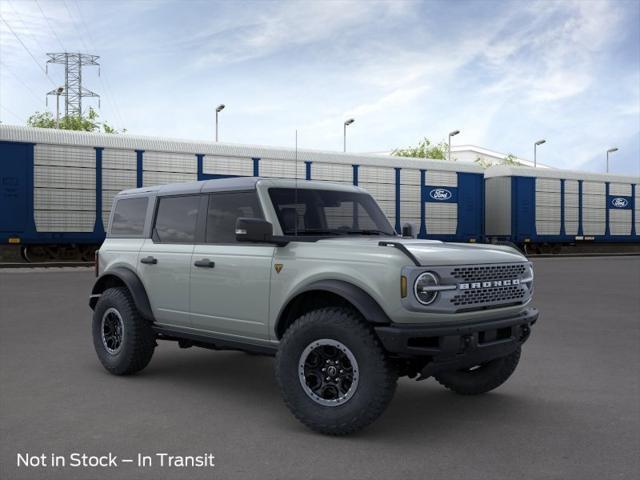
(507, 171)
(237, 183)
(14, 133)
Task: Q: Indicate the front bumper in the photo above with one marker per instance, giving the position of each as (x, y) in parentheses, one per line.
(450, 347)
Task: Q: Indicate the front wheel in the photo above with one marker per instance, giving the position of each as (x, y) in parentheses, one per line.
(480, 378)
(123, 340)
(333, 374)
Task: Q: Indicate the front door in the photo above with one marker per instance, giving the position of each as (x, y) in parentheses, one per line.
(164, 262)
(230, 280)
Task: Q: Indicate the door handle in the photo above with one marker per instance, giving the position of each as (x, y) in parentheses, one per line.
(205, 262)
(149, 260)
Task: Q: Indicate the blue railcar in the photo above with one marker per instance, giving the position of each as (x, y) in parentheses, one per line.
(549, 207)
(57, 187)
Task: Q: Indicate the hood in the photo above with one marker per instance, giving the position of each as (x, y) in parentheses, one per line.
(435, 252)
(440, 253)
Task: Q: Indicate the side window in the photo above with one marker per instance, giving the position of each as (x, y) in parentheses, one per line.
(224, 209)
(176, 219)
(128, 217)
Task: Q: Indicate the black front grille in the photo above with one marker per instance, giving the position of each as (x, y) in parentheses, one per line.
(493, 295)
(481, 273)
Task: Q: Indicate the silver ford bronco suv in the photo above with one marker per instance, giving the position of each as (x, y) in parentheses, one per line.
(314, 274)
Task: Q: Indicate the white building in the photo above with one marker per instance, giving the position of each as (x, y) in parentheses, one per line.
(470, 153)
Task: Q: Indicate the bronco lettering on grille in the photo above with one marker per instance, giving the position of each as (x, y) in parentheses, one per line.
(494, 283)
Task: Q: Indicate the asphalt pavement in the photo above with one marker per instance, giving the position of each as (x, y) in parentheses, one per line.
(571, 410)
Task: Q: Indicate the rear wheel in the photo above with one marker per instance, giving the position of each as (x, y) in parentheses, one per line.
(333, 374)
(123, 340)
(480, 378)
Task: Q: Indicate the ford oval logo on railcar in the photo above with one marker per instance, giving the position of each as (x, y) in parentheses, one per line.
(619, 202)
(440, 194)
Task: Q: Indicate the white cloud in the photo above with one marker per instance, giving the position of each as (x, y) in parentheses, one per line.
(503, 73)
(264, 31)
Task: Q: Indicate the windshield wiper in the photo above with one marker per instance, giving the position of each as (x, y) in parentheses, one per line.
(336, 231)
(368, 232)
(319, 232)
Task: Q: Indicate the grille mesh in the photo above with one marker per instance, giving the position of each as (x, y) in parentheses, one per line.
(489, 295)
(490, 272)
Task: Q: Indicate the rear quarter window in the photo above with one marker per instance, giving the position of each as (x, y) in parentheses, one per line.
(128, 217)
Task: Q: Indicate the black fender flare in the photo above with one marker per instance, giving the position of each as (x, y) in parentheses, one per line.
(361, 300)
(133, 284)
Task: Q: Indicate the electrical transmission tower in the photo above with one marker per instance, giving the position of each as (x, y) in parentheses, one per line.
(74, 92)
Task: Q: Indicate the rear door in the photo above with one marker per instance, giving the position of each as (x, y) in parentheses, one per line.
(164, 262)
(230, 280)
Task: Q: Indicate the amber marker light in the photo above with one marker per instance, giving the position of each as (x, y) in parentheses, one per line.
(403, 286)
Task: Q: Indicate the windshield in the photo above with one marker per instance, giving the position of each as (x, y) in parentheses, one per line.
(328, 212)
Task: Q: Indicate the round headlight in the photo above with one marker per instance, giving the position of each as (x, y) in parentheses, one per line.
(421, 288)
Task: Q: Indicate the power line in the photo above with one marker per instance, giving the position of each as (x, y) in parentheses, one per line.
(20, 81)
(10, 112)
(75, 27)
(106, 84)
(28, 51)
(50, 27)
(24, 25)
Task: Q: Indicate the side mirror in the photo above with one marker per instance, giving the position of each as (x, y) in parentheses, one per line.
(407, 230)
(253, 230)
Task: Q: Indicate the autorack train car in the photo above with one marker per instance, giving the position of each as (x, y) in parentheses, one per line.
(57, 186)
(544, 209)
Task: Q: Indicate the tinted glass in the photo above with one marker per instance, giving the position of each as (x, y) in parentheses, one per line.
(328, 212)
(224, 209)
(128, 217)
(176, 219)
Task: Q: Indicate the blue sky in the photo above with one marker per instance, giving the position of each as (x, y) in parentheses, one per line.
(504, 73)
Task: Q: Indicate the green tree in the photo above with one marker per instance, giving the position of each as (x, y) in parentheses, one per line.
(88, 123)
(483, 162)
(424, 149)
(510, 160)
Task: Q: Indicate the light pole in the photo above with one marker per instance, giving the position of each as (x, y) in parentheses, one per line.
(59, 91)
(611, 150)
(344, 136)
(452, 134)
(219, 108)
(535, 152)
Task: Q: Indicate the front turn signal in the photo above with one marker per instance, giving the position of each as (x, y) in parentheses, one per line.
(403, 286)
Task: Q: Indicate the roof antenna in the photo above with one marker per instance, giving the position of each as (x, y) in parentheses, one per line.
(295, 191)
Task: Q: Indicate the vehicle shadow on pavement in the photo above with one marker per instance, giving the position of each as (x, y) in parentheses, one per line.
(423, 409)
(231, 373)
(427, 409)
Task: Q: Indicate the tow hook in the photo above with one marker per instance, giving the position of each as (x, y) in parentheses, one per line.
(524, 333)
(468, 343)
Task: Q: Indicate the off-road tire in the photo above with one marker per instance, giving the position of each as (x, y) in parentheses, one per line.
(138, 339)
(377, 376)
(483, 379)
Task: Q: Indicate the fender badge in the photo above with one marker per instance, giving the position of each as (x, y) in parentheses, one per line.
(278, 267)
